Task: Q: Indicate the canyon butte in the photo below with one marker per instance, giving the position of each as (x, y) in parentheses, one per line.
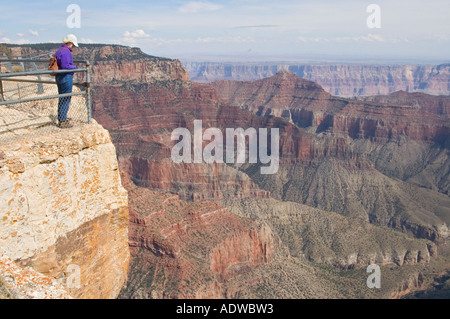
(362, 180)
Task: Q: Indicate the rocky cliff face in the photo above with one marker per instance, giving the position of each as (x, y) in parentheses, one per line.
(20, 283)
(63, 207)
(338, 79)
(116, 64)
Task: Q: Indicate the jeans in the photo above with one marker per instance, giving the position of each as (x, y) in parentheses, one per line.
(64, 83)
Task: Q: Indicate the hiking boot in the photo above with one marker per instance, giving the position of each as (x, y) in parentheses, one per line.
(65, 124)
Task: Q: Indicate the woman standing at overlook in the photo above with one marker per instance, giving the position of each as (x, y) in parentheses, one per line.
(65, 81)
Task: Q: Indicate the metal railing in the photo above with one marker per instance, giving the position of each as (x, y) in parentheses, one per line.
(29, 99)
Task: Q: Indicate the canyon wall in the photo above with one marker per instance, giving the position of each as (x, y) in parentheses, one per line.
(358, 145)
(360, 181)
(62, 207)
(320, 135)
(338, 79)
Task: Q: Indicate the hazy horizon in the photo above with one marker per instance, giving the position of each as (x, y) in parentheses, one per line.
(280, 58)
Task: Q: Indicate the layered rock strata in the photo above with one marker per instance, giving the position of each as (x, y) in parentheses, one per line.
(190, 250)
(306, 104)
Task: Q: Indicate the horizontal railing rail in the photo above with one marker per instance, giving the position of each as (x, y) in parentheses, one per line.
(47, 97)
(8, 75)
(32, 60)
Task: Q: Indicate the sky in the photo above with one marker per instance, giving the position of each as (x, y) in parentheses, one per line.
(247, 29)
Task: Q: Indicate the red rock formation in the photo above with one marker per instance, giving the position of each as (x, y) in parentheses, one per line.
(205, 181)
(419, 116)
(438, 105)
(145, 150)
(254, 247)
(193, 249)
(149, 113)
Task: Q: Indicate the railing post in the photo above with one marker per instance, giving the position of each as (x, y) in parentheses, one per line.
(40, 86)
(1, 90)
(88, 92)
(1, 83)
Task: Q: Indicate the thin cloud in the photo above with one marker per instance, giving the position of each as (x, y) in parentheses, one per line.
(313, 39)
(199, 6)
(136, 34)
(33, 33)
(236, 39)
(132, 37)
(347, 39)
(22, 41)
(439, 38)
(149, 41)
(18, 41)
(86, 40)
(261, 26)
(367, 38)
